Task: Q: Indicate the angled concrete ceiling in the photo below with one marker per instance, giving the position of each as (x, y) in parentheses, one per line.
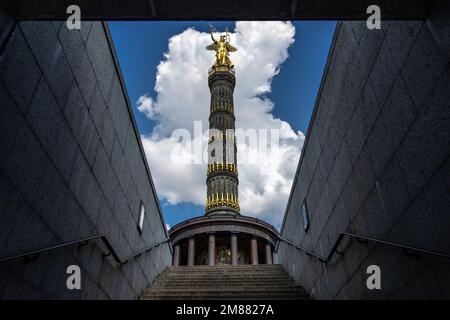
(216, 9)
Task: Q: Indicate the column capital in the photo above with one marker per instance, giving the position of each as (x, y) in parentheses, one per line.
(210, 232)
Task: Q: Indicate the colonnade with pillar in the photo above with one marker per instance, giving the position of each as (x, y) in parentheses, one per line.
(233, 240)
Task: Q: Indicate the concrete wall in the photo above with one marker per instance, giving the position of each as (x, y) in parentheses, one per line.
(71, 166)
(376, 163)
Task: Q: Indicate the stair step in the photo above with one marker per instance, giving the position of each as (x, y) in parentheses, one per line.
(229, 283)
(221, 281)
(227, 272)
(225, 283)
(239, 266)
(225, 289)
(224, 276)
(229, 275)
(210, 274)
(225, 297)
(218, 293)
(214, 270)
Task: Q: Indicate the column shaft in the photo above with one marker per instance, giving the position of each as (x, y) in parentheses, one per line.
(212, 250)
(234, 249)
(268, 253)
(176, 255)
(254, 251)
(191, 252)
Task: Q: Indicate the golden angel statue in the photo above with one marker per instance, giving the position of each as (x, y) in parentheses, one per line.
(222, 48)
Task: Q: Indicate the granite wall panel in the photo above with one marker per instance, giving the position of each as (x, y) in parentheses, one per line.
(72, 166)
(376, 163)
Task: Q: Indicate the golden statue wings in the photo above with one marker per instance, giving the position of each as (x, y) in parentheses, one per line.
(222, 48)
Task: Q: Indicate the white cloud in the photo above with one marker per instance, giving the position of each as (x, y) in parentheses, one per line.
(183, 97)
(145, 105)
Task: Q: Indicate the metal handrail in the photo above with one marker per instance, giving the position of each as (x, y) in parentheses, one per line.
(325, 259)
(83, 242)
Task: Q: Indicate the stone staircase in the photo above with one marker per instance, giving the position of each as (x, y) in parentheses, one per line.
(225, 283)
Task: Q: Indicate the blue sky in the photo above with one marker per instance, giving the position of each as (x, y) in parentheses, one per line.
(141, 45)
